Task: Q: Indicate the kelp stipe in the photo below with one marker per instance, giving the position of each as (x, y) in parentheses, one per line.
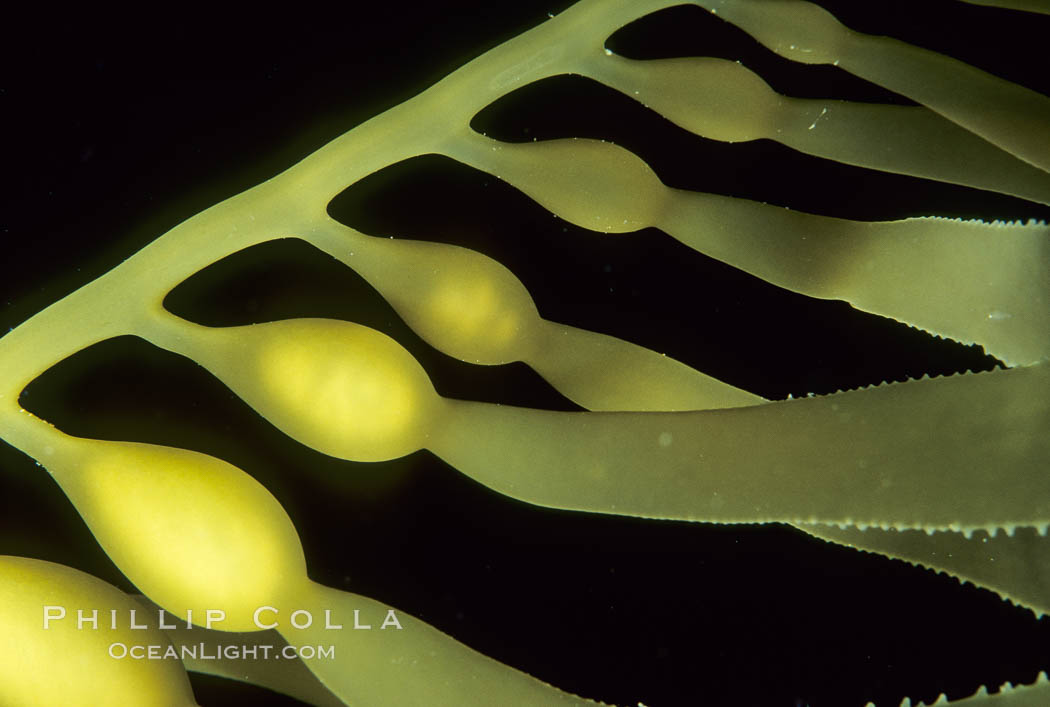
(545, 307)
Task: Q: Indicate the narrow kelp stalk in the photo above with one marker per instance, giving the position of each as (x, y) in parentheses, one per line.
(575, 604)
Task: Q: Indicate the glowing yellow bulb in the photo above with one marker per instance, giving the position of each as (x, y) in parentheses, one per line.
(70, 659)
(460, 301)
(341, 388)
(193, 533)
(475, 309)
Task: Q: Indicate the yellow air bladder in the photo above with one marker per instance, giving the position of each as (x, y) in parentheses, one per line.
(210, 545)
(68, 641)
(341, 388)
(198, 536)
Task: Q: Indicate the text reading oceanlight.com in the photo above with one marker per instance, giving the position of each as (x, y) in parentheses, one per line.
(201, 651)
(265, 617)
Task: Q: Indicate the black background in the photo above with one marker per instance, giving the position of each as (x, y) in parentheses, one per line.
(116, 128)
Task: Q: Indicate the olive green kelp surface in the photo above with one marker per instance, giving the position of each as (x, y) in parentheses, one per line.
(455, 354)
